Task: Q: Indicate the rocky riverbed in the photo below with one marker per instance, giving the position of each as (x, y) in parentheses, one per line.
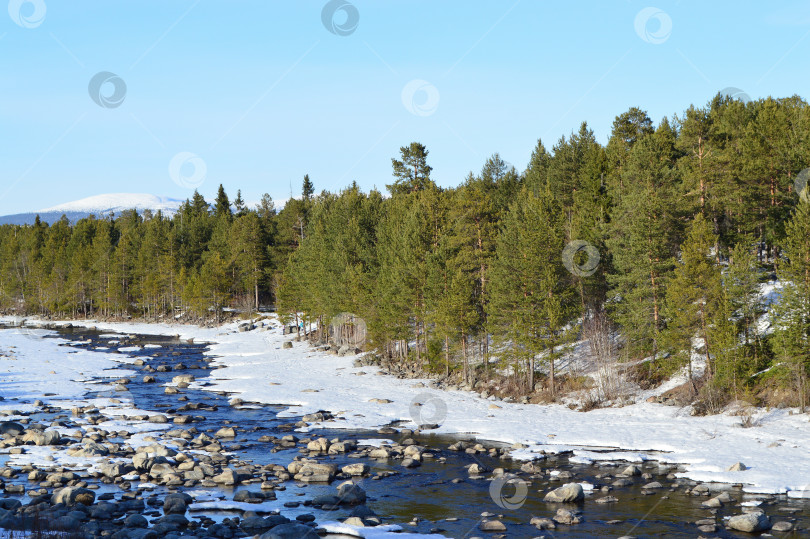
(149, 456)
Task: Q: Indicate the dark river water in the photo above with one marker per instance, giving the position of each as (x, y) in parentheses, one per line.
(423, 499)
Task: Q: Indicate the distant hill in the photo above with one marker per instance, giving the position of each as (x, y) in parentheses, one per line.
(98, 205)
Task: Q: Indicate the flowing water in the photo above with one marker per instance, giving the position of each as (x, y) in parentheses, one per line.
(439, 496)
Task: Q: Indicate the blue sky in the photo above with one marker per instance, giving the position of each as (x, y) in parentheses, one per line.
(262, 92)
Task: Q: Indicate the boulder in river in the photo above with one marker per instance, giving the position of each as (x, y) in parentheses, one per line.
(292, 530)
(73, 495)
(571, 492)
(750, 522)
(351, 494)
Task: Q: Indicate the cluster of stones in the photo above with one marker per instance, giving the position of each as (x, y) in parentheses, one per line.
(65, 500)
(568, 500)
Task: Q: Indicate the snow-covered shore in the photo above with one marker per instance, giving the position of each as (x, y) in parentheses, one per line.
(256, 368)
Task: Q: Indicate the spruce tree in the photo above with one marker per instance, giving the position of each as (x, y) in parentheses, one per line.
(222, 206)
(307, 189)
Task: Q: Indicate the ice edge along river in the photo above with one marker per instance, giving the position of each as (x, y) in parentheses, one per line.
(256, 368)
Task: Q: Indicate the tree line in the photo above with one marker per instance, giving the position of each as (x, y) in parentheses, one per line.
(658, 245)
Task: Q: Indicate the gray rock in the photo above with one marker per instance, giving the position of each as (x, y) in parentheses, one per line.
(66, 523)
(351, 494)
(227, 477)
(749, 522)
(543, 523)
(782, 526)
(567, 517)
(176, 504)
(255, 525)
(135, 533)
(492, 526)
(571, 492)
(12, 428)
(737, 467)
(355, 469)
(136, 521)
(248, 496)
(72, 495)
(291, 530)
(49, 437)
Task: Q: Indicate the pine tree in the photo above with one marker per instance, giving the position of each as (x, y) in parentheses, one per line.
(644, 234)
(411, 173)
(695, 295)
(531, 298)
(793, 310)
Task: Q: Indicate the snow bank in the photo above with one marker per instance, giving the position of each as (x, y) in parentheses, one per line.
(256, 368)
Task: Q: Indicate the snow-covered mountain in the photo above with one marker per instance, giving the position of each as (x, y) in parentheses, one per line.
(118, 202)
(98, 205)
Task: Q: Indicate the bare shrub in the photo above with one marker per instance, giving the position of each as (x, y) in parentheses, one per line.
(601, 336)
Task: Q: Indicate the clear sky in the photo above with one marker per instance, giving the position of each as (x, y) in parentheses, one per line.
(254, 94)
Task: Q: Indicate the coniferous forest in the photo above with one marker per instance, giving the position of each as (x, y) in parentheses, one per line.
(655, 249)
